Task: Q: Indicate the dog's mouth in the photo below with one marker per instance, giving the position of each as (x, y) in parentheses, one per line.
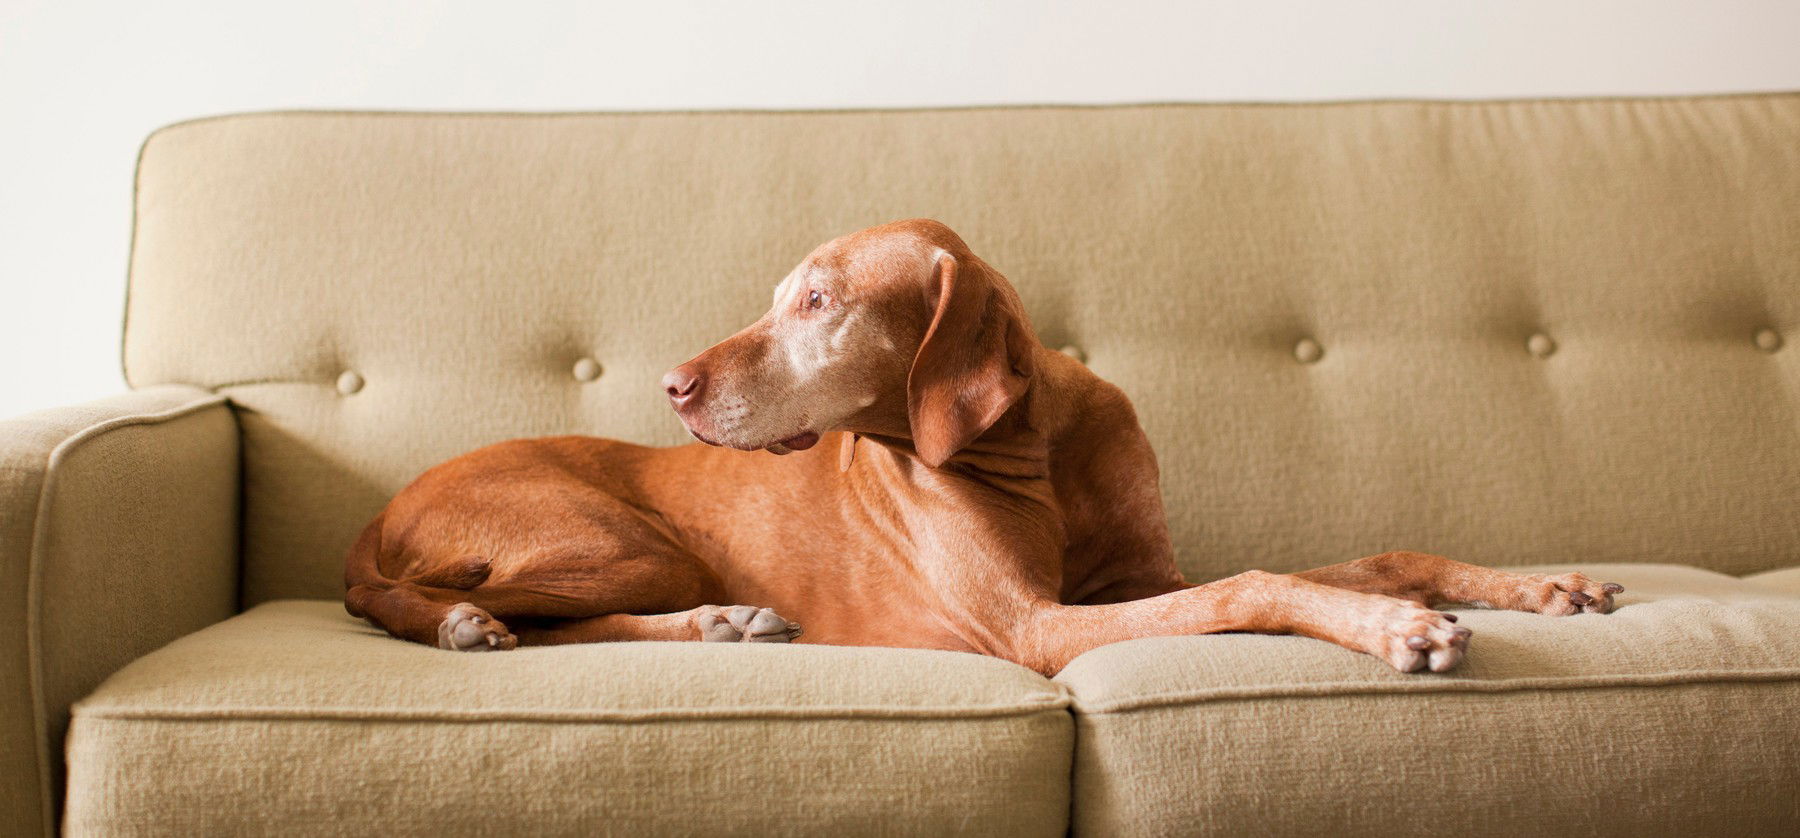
(798, 442)
(795, 443)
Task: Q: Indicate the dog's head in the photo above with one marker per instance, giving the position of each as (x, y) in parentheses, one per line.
(896, 330)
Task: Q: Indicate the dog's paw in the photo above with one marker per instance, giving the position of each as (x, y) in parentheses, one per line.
(1412, 637)
(743, 624)
(470, 629)
(1568, 593)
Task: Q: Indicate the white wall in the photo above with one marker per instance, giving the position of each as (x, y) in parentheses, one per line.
(81, 83)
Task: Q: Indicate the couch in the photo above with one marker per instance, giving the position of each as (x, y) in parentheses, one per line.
(1536, 333)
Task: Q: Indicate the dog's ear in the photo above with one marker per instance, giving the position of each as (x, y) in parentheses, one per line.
(972, 365)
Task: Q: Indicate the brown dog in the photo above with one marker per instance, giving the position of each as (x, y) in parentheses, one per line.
(950, 484)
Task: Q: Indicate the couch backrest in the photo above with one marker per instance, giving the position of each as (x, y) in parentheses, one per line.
(1510, 332)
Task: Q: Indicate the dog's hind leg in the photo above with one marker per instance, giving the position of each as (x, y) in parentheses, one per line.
(709, 623)
(605, 579)
(664, 596)
(465, 605)
(653, 595)
(432, 616)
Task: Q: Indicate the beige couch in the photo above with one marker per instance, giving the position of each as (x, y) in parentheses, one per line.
(1525, 333)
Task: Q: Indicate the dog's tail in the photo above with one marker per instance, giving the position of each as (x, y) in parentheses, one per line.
(362, 569)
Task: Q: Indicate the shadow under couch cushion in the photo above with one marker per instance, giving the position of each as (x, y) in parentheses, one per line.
(294, 717)
(1679, 713)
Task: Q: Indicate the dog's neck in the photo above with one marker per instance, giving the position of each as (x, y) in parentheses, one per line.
(1018, 452)
(1019, 445)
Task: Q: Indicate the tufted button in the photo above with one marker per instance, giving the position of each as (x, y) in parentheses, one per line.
(1540, 345)
(1075, 352)
(1308, 351)
(349, 382)
(1768, 340)
(587, 369)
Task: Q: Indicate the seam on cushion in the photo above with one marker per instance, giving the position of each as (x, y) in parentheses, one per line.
(1050, 704)
(1342, 688)
(34, 660)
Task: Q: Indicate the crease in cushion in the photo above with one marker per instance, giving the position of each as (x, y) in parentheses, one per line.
(294, 712)
(1651, 718)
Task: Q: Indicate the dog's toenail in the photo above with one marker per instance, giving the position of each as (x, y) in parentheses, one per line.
(1580, 598)
(1450, 617)
(1613, 588)
(1417, 643)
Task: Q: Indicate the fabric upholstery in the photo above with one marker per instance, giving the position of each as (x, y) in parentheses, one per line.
(1787, 579)
(118, 533)
(1548, 330)
(293, 716)
(1678, 714)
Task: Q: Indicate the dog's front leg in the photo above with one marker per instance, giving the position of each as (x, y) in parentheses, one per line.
(1406, 634)
(1435, 580)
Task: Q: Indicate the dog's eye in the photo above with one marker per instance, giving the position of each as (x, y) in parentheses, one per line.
(814, 299)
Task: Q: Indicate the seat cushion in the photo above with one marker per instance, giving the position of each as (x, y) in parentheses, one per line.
(1679, 713)
(293, 715)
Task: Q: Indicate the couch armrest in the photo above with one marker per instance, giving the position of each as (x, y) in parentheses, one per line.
(118, 533)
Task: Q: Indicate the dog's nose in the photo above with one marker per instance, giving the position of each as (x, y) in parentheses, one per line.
(682, 385)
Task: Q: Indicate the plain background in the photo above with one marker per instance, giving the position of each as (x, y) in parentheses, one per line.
(82, 83)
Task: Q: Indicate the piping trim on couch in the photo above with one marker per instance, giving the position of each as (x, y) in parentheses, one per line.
(1337, 688)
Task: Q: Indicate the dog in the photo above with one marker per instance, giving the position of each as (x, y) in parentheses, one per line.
(944, 481)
